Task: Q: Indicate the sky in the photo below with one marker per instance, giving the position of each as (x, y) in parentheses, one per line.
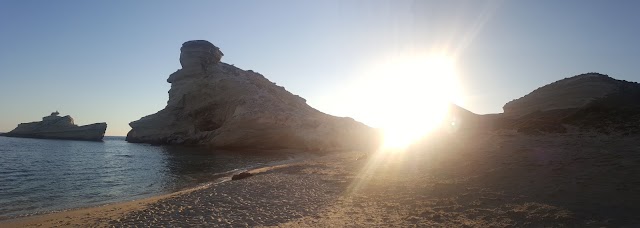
(108, 61)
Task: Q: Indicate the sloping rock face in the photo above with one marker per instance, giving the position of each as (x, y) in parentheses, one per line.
(461, 119)
(592, 101)
(56, 127)
(573, 92)
(217, 104)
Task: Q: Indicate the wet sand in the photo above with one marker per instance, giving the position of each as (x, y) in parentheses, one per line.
(473, 180)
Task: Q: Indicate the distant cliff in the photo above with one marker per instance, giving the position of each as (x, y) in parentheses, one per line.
(589, 101)
(56, 127)
(217, 104)
(573, 92)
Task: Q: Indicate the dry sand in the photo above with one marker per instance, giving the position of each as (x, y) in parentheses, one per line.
(474, 180)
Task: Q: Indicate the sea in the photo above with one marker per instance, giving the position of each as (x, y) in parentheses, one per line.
(41, 175)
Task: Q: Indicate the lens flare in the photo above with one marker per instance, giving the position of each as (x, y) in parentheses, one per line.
(419, 91)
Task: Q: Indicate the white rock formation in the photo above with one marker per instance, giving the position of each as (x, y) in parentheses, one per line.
(220, 105)
(56, 127)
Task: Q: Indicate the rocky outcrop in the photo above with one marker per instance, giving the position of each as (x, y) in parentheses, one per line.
(592, 101)
(217, 104)
(573, 92)
(198, 55)
(56, 127)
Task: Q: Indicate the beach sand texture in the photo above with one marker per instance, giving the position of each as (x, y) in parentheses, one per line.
(472, 180)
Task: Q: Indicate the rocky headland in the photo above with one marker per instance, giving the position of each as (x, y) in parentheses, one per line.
(574, 92)
(586, 102)
(217, 104)
(490, 173)
(58, 127)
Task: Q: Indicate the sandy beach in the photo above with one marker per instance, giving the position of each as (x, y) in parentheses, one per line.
(332, 113)
(474, 180)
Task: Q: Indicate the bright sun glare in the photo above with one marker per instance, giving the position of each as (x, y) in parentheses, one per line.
(416, 96)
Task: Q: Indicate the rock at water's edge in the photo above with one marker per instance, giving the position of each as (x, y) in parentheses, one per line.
(56, 127)
(241, 176)
(217, 104)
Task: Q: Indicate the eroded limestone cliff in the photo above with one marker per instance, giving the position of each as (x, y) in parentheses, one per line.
(217, 104)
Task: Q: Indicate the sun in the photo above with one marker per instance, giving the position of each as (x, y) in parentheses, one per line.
(405, 95)
(415, 97)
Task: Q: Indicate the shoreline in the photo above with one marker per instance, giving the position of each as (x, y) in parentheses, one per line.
(86, 215)
(491, 180)
(96, 213)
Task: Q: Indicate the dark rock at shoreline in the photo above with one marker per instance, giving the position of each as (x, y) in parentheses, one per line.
(56, 127)
(241, 176)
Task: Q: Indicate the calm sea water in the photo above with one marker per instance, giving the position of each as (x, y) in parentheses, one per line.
(39, 175)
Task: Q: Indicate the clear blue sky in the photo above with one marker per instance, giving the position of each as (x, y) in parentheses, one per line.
(108, 60)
